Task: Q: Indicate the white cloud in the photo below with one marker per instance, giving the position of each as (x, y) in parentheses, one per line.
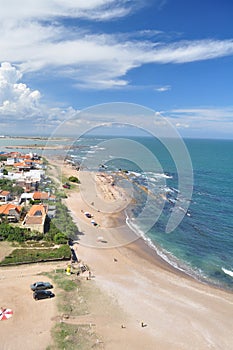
(32, 35)
(207, 114)
(33, 39)
(21, 108)
(45, 10)
(203, 121)
(191, 51)
(15, 97)
(97, 61)
(163, 88)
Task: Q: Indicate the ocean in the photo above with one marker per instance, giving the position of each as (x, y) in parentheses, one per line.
(202, 244)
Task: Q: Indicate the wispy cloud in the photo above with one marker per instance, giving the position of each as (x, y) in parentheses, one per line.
(198, 121)
(207, 113)
(33, 37)
(39, 47)
(46, 10)
(163, 88)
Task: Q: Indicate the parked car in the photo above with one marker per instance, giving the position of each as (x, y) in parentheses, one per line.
(43, 294)
(66, 185)
(41, 285)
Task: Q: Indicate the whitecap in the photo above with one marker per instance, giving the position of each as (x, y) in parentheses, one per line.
(227, 272)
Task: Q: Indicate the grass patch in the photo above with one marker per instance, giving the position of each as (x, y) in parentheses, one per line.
(72, 300)
(62, 280)
(72, 337)
(34, 255)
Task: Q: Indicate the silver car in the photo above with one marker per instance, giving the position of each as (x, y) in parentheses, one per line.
(41, 286)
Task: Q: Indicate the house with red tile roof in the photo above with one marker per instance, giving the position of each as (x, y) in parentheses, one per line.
(35, 218)
(5, 196)
(10, 211)
(22, 166)
(42, 196)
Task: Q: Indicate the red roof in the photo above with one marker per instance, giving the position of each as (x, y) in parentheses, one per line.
(40, 195)
(5, 208)
(37, 210)
(4, 193)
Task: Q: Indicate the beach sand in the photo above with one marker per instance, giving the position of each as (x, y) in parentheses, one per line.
(31, 323)
(177, 311)
(141, 302)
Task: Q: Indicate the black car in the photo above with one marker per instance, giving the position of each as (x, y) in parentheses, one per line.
(41, 285)
(43, 294)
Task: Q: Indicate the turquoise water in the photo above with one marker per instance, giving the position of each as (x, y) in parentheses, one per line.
(202, 244)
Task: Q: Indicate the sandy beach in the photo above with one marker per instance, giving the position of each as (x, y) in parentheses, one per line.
(178, 311)
(142, 302)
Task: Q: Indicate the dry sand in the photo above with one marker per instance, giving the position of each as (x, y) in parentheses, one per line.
(29, 327)
(177, 312)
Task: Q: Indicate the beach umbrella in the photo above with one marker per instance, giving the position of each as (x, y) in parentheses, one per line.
(5, 314)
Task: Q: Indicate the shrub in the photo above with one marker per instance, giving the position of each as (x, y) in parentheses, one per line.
(60, 238)
(74, 179)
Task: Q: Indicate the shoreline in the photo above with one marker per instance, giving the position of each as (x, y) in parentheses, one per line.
(118, 224)
(115, 223)
(138, 299)
(146, 287)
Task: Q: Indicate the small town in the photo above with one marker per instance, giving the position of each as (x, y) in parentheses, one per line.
(29, 200)
(25, 196)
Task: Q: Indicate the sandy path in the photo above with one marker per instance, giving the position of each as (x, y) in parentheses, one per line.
(5, 249)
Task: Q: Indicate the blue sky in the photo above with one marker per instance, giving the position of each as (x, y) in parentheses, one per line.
(172, 56)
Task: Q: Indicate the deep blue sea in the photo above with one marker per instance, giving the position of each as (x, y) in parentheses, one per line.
(202, 244)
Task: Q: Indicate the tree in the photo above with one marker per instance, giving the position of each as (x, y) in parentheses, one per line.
(17, 190)
(60, 238)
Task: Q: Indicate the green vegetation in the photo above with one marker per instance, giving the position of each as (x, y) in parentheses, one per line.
(17, 190)
(18, 234)
(57, 231)
(61, 194)
(8, 185)
(63, 222)
(72, 337)
(73, 301)
(74, 179)
(60, 238)
(63, 282)
(34, 255)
